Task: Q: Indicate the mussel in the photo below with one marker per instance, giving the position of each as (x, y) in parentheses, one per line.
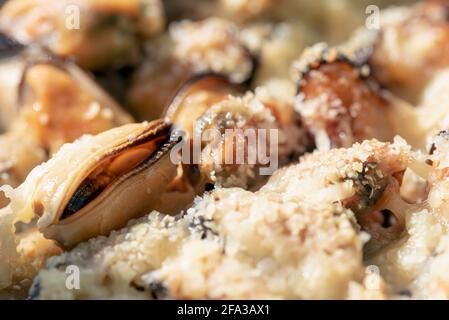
(339, 102)
(296, 222)
(60, 102)
(398, 54)
(96, 33)
(189, 49)
(230, 135)
(49, 102)
(236, 136)
(196, 96)
(402, 60)
(98, 183)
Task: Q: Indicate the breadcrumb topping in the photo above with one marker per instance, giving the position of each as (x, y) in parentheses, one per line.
(283, 241)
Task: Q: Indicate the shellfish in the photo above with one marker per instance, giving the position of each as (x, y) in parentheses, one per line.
(296, 222)
(57, 103)
(400, 59)
(230, 137)
(60, 102)
(338, 101)
(196, 96)
(98, 183)
(190, 49)
(110, 33)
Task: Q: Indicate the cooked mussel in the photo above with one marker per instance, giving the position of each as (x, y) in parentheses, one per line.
(400, 53)
(338, 101)
(191, 48)
(98, 183)
(60, 102)
(198, 95)
(48, 102)
(205, 104)
(227, 132)
(235, 134)
(96, 33)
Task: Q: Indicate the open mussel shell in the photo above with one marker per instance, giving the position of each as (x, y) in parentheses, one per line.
(60, 102)
(196, 96)
(98, 183)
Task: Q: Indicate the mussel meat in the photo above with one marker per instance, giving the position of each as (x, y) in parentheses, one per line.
(230, 134)
(60, 102)
(338, 101)
(98, 183)
(198, 95)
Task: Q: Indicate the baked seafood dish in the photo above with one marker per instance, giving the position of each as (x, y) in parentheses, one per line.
(251, 149)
